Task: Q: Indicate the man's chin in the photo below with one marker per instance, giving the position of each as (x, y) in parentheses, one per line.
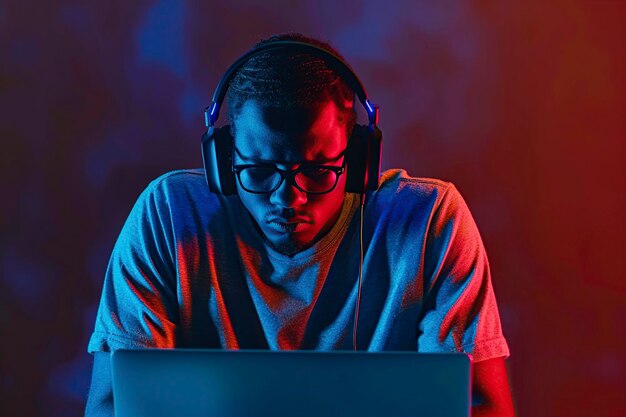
(288, 245)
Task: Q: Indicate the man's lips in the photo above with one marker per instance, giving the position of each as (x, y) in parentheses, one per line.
(287, 224)
(290, 220)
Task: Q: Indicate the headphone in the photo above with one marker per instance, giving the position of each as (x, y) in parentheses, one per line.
(363, 155)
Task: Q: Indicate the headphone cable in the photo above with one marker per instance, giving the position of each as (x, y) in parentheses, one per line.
(358, 298)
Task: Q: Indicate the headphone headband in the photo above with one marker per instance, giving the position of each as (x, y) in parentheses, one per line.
(211, 113)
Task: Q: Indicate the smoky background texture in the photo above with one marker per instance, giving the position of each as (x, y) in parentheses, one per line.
(520, 104)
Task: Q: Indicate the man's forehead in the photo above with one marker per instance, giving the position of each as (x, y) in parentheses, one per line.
(277, 149)
(294, 135)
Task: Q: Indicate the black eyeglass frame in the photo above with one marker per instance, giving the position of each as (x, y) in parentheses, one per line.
(291, 173)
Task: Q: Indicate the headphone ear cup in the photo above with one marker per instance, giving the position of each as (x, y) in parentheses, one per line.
(217, 148)
(374, 157)
(363, 159)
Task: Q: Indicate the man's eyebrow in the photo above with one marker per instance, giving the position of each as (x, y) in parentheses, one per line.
(320, 161)
(259, 160)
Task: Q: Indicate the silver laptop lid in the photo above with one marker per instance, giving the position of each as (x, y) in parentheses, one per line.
(192, 383)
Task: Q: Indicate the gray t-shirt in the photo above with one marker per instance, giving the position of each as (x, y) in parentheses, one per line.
(190, 269)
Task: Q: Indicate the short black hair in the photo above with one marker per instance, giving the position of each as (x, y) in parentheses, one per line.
(287, 80)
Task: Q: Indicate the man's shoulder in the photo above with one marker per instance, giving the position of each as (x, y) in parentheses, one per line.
(401, 194)
(398, 184)
(181, 190)
(179, 178)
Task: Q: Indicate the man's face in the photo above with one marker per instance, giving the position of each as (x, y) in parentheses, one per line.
(291, 219)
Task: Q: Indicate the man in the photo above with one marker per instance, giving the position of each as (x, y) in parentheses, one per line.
(276, 265)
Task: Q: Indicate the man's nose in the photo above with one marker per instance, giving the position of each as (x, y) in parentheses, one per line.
(288, 195)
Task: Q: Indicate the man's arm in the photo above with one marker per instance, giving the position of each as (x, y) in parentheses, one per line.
(491, 393)
(100, 400)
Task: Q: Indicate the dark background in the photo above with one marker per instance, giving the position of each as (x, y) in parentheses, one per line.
(520, 104)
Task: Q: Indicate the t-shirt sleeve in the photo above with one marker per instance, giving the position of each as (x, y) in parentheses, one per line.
(461, 314)
(138, 303)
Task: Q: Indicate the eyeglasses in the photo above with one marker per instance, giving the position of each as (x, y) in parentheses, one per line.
(309, 178)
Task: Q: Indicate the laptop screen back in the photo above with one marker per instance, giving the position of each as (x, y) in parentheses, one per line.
(205, 383)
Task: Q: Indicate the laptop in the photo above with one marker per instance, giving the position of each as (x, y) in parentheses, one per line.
(254, 383)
